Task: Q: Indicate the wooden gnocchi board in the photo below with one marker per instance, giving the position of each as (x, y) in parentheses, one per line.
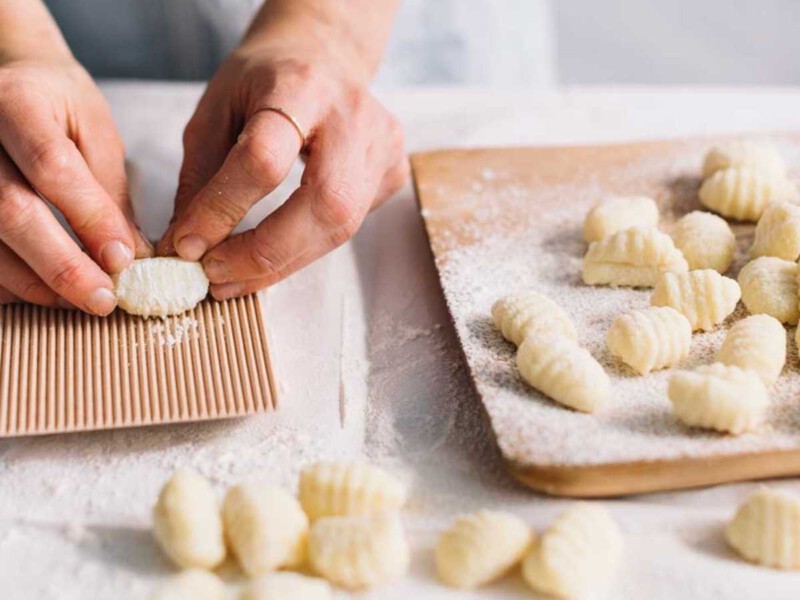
(502, 220)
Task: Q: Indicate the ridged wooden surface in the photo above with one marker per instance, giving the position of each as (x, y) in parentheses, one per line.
(68, 371)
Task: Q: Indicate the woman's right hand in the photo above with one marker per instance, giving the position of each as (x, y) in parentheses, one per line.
(58, 141)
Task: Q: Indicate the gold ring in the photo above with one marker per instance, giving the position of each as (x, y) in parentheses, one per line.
(292, 120)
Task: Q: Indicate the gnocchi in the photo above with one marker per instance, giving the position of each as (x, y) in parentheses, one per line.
(766, 529)
(480, 548)
(705, 297)
(649, 339)
(562, 370)
(158, 287)
(705, 240)
(744, 193)
(769, 286)
(265, 526)
(738, 154)
(617, 213)
(339, 488)
(757, 343)
(358, 552)
(192, 584)
(187, 522)
(721, 397)
(632, 257)
(287, 586)
(778, 232)
(578, 554)
(520, 315)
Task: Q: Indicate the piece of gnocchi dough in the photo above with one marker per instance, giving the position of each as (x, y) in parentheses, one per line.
(720, 397)
(192, 584)
(744, 154)
(523, 314)
(744, 193)
(480, 548)
(359, 552)
(617, 213)
(560, 369)
(159, 287)
(704, 297)
(330, 489)
(649, 339)
(705, 240)
(766, 529)
(632, 257)
(578, 554)
(187, 523)
(287, 586)
(778, 232)
(769, 286)
(265, 526)
(757, 343)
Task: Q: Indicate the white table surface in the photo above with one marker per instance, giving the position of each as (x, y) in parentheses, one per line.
(369, 366)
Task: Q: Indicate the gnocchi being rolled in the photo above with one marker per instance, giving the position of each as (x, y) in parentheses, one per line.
(744, 193)
(705, 297)
(757, 343)
(617, 213)
(649, 339)
(739, 154)
(705, 240)
(778, 232)
(520, 315)
(769, 286)
(632, 257)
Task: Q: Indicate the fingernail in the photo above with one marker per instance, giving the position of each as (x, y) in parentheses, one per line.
(227, 290)
(101, 301)
(66, 304)
(217, 271)
(116, 256)
(191, 247)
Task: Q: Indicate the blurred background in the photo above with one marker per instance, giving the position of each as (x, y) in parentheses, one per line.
(480, 43)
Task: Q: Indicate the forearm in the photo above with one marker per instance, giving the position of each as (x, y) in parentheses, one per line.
(28, 31)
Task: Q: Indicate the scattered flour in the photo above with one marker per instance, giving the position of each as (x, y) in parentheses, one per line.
(173, 331)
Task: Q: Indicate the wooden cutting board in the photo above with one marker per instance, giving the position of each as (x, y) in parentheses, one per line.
(509, 219)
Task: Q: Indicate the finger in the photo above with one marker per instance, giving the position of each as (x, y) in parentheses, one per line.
(52, 164)
(7, 297)
(34, 234)
(392, 182)
(19, 279)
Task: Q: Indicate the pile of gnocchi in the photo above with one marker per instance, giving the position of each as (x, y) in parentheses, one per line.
(743, 181)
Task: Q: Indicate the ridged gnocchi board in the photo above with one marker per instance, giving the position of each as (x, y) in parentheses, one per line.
(506, 220)
(63, 371)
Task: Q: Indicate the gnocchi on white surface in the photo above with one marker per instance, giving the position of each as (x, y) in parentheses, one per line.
(560, 369)
(766, 529)
(649, 339)
(286, 586)
(480, 548)
(778, 232)
(158, 287)
(359, 552)
(632, 257)
(720, 397)
(520, 315)
(329, 489)
(704, 297)
(192, 584)
(744, 193)
(705, 240)
(187, 523)
(744, 154)
(578, 554)
(617, 213)
(769, 286)
(265, 526)
(757, 343)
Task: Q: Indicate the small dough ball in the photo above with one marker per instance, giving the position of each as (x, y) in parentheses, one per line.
(705, 240)
(192, 584)
(519, 315)
(769, 286)
(617, 213)
(187, 522)
(653, 338)
(287, 586)
(778, 232)
(744, 154)
(743, 194)
(159, 287)
(757, 343)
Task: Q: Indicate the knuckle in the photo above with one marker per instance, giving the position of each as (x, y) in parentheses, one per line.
(335, 210)
(29, 289)
(48, 161)
(66, 275)
(260, 162)
(265, 256)
(223, 209)
(18, 211)
(396, 133)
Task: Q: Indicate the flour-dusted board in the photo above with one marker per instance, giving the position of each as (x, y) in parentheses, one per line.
(510, 219)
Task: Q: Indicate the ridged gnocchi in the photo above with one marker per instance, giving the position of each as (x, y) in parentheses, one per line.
(520, 315)
(632, 257)
(744, 193)
(705, 240)
(766, 529)
(358, 552)
(329, 489)
(769, 286)
(739, 154)
(577, 555)
(265, 526)
(287, 586)
(704, 297)
(480, 548)
(721, 397)
(562, 370)
(653, 338)
(187, 522)
(617, 213)
(757, 343)
(192, 584)
(778, 232)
